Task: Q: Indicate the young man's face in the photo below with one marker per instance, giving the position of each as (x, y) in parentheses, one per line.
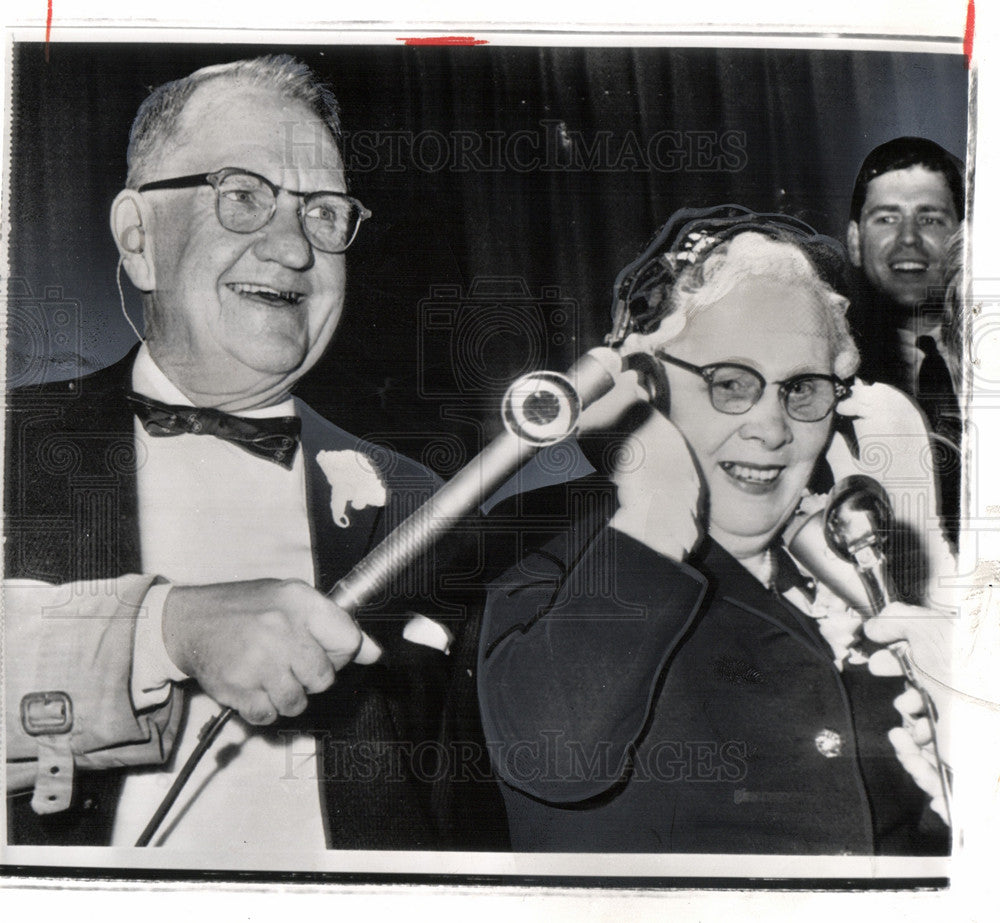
(901, 238)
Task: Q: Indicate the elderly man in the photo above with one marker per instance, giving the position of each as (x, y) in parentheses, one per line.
(173, 521)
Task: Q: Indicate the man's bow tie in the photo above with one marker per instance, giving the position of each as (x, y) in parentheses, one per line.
(273, 438)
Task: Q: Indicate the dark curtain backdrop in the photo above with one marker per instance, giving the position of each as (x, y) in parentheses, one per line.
(509, 185)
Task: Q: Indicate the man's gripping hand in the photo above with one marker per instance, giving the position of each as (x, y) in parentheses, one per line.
(261, 646)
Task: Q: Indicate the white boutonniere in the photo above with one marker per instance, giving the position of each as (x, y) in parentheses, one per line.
(354, 481)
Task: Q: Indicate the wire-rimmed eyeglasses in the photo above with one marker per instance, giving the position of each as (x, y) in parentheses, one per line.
(245, 202)
(735, 388)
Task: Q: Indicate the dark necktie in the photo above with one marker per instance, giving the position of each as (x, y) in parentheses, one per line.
(934, 390)
(273, 438)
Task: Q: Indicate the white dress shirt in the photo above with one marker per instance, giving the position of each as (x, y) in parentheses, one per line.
(210, 512)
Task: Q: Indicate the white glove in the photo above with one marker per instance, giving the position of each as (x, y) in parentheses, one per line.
(659, 488)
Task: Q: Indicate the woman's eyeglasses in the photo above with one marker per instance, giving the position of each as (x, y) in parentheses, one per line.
(735, 388)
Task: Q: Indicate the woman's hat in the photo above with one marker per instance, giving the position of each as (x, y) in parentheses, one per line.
(687, 239)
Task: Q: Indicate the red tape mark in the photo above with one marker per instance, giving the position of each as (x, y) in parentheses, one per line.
(444, 40)
(970, 30)
(48, 30)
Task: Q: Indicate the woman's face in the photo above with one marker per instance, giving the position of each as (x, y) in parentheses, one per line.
(755, 464)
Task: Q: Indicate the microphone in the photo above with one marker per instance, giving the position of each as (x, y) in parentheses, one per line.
(857, 518)
(539, 409)
(844, 546)
(806, 539)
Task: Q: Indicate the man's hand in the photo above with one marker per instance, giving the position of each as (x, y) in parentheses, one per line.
(260, 646)
(920, 763)
(928, 632)
(928, 635)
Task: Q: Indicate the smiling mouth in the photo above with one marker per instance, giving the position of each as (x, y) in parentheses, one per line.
(908, 266)
(265, 293)
(762, 475)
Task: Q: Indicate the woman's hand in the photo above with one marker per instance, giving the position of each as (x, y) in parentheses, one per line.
(659, 489)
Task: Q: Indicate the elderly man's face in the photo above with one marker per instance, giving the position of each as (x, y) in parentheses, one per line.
(755, 464)
(901, 239)
(236, 318)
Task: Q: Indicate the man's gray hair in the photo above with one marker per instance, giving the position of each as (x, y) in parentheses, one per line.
(157, 121)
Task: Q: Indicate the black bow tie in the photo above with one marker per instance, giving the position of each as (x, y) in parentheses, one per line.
(273, 438)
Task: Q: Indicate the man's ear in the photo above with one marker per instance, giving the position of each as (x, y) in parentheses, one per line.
(134, 243)
(854, 244)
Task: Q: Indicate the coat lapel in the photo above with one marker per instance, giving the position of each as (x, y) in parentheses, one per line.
(335, 549)
(737, 586)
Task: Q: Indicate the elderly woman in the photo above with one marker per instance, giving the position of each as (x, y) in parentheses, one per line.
(667, 679)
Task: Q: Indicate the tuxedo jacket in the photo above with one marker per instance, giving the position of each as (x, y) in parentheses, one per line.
(71, 514)
(637, 704)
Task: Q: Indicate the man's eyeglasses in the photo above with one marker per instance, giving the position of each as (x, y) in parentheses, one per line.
(245, 202)
(735, 388)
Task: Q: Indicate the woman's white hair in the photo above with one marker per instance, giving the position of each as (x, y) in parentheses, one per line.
(752, 255)
(157, 123)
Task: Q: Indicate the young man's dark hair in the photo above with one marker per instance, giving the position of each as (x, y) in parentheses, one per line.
(902, 153)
